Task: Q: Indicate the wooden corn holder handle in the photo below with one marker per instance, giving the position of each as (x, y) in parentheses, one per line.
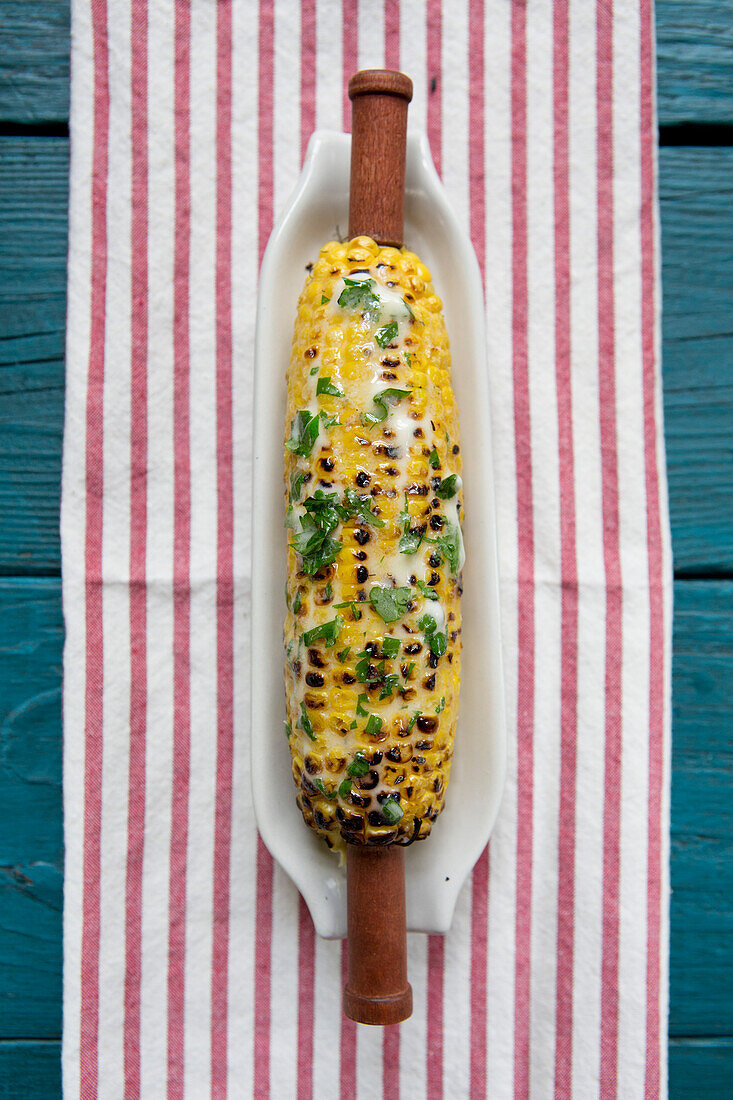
(377, 990)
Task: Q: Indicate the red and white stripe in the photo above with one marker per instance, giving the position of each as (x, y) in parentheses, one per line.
(192, 967)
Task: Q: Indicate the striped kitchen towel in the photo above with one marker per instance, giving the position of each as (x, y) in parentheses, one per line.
(191, 966)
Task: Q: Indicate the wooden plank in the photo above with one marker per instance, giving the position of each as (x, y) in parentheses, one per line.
(34, 61)
(695, 60)
(33, 231)
(701, 962)
(30, 1070)
(31, 842)
(700, 1069)
(698, 351)
(697, 285)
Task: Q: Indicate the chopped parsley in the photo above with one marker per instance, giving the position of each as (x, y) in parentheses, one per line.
(314, 370)
(305, 723)
(324, 299)
(391, 810)
(288, 730)
(328, 632)
(386, 334)
(449, 544)
(296, 484)
(358, 766)
(313, 544)
(433, 459)
(374, 725)
(329, 421)
(408, 357)
(410, 542)
(428, 592)
(325, 385)
(303, 433)
(414, 719)
(345, 788)
(328, 591)
(437, 641)
(322, 789)
(360, 505)
(359, 294)
(447, 488)
(391, 646)
(428, 624)
(389, 603)
(296, 603)
(441, 705)
(391, 683)
(389, 396)
(360, 712)
(355, 612)
(343, 653)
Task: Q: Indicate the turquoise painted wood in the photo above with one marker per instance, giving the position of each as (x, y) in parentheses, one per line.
(694, 58)
(700, 1069)
(31, 842)
(33, 232)
(697, 226)
(30, 1070)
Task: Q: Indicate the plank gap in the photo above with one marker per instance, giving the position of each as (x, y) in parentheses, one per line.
(696, 133)
(41, 128)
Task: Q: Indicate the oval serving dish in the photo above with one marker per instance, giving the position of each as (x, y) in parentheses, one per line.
(437, 867)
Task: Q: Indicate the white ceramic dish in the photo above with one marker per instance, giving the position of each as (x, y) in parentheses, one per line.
(436, 868)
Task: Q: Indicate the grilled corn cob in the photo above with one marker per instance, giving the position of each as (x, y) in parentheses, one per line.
(373, 505)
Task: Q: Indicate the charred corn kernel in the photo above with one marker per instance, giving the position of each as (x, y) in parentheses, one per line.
(373, 502)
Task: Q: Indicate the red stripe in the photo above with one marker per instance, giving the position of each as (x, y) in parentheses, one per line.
(655, 885)
(435, 80)
(138, 534)
(391, 1062)
(306, 986)
(93, 700)
(568, 565)
(477, 199)
(307, 73)
(611, 555)
(225, 564)
(436, 961)
(525, 555)
(182, 558)
(392, 34)
(263, 887)
(347, 1071)
(350, 51)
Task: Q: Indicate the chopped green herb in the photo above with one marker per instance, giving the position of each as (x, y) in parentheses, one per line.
(447, 488)
(374, 725)
(290, 518)
(389, 396)
(408, 671)
(389, 686)
(386, 334)
(322, 789)
(303, 433)
(392, 810)
(449, 544)
(359, 294)
(410, 542)
(328, 591)
(345, 788)
(356, 504)
(329, 421)
(428, 624)
(314, 370)
(288, 730)
(353, 725)
(343, 653)
(355, 612)
(325, 385)
(358, 766)
(441, 705)
(329, 632)
(313, 545)
(389, 603)
(296, 484)
(428, 592)
(324, 299)
(360, 712)
(305, 723)
(414, 719)
(296, 603)
(438, 643)
(433, 459)
(408, 357)
(391, 646)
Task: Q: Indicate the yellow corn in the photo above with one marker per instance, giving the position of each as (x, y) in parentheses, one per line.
(373, 499)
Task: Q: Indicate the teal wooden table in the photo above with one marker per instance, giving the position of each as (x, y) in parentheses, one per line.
(695, 58)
